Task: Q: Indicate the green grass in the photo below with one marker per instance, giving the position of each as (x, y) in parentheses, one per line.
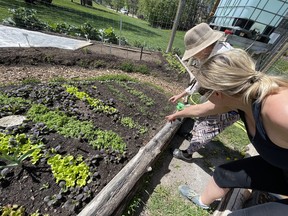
(279, 67)
(133, 29)
(164, 202)
(234, 138)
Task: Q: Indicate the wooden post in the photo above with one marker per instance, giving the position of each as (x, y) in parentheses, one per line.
(175, 24)
(120, 30)
(141, 53)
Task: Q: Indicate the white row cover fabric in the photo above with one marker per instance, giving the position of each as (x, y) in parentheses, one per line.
(16, 37)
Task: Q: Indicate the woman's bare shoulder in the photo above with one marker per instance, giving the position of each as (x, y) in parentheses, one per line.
(275, 107)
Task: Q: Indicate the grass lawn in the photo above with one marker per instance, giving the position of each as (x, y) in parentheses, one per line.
(133, 29)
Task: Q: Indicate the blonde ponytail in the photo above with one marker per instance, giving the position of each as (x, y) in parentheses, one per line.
(233, 72)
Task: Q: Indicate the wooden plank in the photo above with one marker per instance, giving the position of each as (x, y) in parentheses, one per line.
(126, 48)
(111, 196)
(232, 201)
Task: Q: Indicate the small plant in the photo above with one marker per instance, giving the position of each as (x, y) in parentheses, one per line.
(44, 186)
(14, 160)
(143, 98)
(99, 64)
(89, 32)
(15, 149)
(97, 104)
(133, 206)
(48, 59)
(70, 127)
(77, 197)
(109, 139)
(58, 79)
(127, 66)
(73, 171)
(12, 105)
(142, 69)
(174, 62)
(139, 44)
(143, 130)
(176, 51)
(53, 200)
(108, 35)
(59, 27)
(128, 122)
(12, 210)
(118, 77)
(38, 214)
(30, 80)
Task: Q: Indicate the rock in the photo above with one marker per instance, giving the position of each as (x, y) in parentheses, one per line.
(12, 120)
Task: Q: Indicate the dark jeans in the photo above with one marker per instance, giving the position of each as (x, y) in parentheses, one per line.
(255, 173)
(279, 208)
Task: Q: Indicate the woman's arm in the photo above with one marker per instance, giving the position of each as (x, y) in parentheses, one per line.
(199, 110)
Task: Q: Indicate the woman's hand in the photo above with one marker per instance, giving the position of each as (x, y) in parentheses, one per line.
(171, 118)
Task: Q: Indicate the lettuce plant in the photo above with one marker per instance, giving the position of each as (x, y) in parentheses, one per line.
(15, 149)
(97, 104)
(73, 171)
(70, 127)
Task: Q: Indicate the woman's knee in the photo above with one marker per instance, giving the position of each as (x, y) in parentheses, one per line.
(225, 177)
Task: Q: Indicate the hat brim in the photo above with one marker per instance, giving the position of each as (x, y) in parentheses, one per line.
(212, 39)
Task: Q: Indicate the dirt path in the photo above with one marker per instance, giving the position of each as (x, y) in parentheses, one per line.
(19, 73)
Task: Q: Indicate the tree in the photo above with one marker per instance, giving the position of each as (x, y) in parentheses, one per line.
(189, 16)
(118, 4)
(132, 6)
(161, 13)
(107, 2)
(144, 7)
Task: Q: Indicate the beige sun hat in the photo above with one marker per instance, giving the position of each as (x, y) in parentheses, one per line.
(198, 38)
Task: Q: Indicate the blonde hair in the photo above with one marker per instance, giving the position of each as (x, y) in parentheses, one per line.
(233, 73)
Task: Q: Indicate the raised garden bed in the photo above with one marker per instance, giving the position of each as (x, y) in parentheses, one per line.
(78, 135)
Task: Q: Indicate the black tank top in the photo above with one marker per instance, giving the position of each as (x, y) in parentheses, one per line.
(270, 152)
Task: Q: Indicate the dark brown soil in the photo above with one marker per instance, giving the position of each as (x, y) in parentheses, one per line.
(28, 185)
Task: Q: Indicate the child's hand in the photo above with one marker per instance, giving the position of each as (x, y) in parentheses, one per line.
(173, 99)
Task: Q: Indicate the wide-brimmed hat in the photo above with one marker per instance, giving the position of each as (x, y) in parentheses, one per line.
(198, 38)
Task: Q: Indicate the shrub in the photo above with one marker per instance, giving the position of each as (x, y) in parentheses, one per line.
(127, 66)
(88, 31)
(24, 17)
(142, 69)
(109, 35)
